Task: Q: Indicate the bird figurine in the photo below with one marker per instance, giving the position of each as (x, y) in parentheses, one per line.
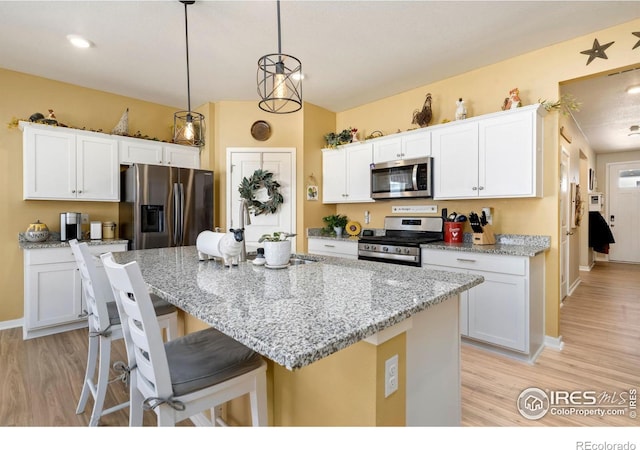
(122, 128)
(423, 117)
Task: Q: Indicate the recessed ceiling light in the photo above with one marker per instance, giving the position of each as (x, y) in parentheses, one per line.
(78, 41)
(635, 130)
(633, 90)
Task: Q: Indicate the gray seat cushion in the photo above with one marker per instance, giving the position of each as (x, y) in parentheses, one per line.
(162, 307)
(206, 358)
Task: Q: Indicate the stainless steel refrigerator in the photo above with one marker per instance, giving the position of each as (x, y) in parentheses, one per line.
(164, 206)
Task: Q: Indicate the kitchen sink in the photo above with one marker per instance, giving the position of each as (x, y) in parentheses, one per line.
(297, 261)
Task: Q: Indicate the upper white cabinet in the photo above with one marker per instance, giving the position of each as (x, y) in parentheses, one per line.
(158, 153)
(346, 174)
(410, 145)
(60, 164)
(494, 156)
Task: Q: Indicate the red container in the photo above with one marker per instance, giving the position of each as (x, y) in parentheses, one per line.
(453, 232)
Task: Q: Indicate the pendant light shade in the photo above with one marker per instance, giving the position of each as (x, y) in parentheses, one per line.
(188, 126)
(280, 80)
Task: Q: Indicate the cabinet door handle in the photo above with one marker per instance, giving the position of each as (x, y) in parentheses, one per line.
(83, 314)
(330, 246)
(79, 192)
(466, 260)
(73, 192)
(481, 188)
(474, 188)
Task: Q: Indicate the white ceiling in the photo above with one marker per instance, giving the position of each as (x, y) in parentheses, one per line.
(352, 52)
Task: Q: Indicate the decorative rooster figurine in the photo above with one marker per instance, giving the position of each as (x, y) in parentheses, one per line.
(423, 117)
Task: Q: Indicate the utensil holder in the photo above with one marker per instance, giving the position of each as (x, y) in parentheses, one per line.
(486, 237)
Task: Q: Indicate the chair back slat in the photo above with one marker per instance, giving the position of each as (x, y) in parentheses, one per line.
(95, 286)
(145, 348)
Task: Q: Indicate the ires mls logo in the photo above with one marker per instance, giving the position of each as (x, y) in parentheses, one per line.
(534, 403)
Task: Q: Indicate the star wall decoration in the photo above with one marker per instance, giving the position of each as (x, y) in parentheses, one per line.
(597, 51)
(636, 34)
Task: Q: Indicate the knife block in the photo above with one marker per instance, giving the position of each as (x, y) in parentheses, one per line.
(486, 237)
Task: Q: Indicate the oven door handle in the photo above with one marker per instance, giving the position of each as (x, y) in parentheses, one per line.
(414, 177)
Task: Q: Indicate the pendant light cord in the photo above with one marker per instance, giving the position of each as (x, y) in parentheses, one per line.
(186, 31)
(279, 44)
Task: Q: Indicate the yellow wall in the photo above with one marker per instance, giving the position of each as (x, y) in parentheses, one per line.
(23, 95)
(538, 76)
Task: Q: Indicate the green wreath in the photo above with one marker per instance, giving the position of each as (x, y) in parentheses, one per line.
(260, 178)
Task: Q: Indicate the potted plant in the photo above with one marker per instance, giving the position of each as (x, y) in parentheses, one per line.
(277, 248)
(335, 223)
(344, 137)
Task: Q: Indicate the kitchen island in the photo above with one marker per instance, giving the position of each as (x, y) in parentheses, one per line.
(330, 326)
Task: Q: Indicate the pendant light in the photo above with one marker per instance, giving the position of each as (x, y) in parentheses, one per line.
(280, 80)
(188, 126)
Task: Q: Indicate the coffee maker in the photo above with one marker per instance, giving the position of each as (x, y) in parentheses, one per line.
(70, 226)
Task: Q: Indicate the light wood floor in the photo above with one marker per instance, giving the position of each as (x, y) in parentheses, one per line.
(40, 379)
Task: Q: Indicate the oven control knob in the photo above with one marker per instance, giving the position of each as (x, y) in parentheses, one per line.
(407, 251)
(366, 246)
(398, 250)
(385, 249)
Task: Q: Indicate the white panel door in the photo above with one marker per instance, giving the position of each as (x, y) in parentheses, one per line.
(624, 211)
(565, 211)
(506, 156)
(98, 171)
(49, 164)
(243, 163)
(455, 160)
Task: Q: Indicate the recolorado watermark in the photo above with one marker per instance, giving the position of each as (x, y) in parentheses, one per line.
(589, 445)
(534, 403)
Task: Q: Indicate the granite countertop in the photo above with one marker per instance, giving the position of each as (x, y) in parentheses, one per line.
(53, 241)
(506, 244)
(299, 314)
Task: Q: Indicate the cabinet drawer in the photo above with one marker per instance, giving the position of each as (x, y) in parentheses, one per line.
(514, 265)
(64, 254)
(333, 247)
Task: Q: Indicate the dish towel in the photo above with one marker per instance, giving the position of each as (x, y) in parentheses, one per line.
(600, 235)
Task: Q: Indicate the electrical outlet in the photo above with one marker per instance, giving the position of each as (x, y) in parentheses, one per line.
(84, 219)
(390, 375)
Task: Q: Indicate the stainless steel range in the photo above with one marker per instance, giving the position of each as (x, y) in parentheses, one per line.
(401, 241)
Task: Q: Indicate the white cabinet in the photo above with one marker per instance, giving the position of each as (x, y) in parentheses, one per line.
(409, 145)
(333, 247)
(53, 300)
(507, 309)
(494, 156)
(158, 153)
(63, 165)
(346, 176)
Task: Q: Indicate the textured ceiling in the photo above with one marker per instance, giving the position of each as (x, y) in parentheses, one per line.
(353, 52)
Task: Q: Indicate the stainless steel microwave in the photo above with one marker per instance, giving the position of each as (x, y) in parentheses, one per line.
(406, 178)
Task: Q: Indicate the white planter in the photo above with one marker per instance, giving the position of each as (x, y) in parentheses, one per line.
(277, 253)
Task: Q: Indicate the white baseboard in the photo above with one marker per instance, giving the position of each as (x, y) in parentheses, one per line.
(574, 286)
(554, 343)
(8, 324)
(602, 257)
(586, 268)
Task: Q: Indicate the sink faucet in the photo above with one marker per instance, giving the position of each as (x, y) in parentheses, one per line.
(244, 219)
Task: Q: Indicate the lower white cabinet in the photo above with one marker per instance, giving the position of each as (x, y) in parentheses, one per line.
(53, 298)
(333, 247)
(507, 309)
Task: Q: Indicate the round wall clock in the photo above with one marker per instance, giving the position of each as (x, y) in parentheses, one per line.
(261, 130)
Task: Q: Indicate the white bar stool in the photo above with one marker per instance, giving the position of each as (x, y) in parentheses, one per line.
(105, 327)
(184, 377)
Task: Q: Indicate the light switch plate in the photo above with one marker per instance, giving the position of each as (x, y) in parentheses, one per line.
(84, 218)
